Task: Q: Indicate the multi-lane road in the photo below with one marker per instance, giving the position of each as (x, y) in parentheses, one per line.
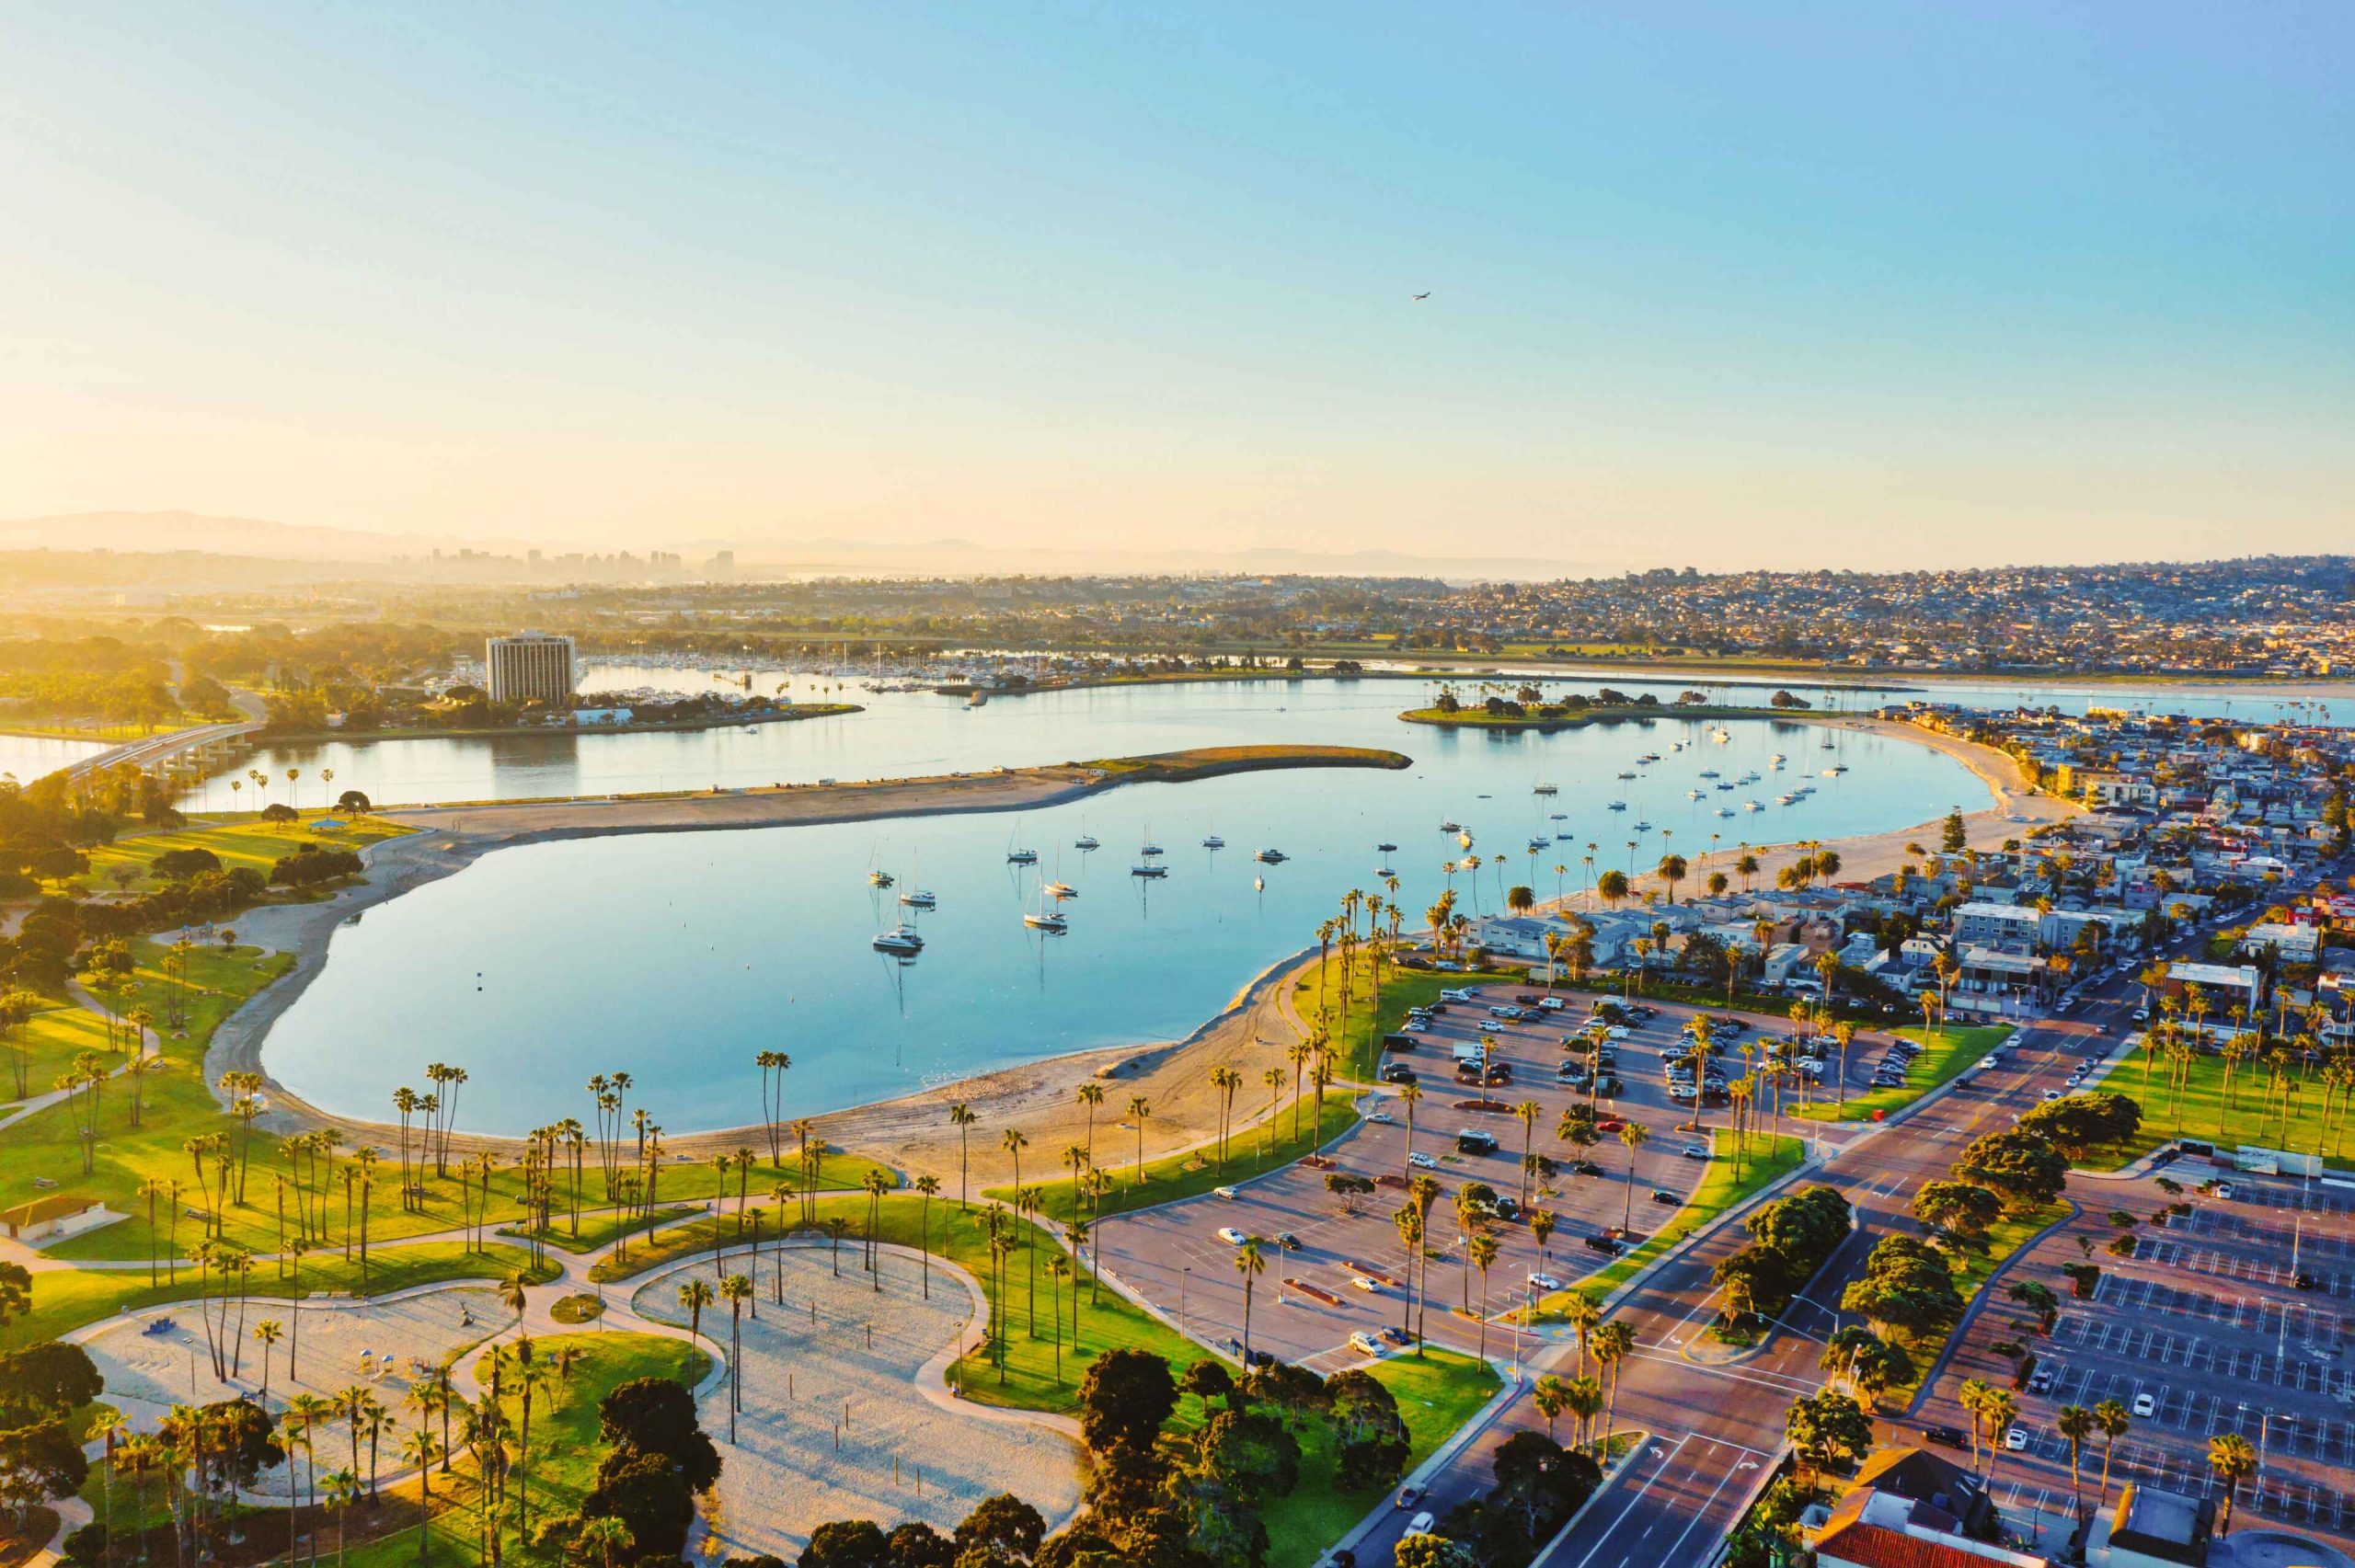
(1711, 1427)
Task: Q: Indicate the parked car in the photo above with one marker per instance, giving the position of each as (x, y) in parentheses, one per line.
(1366, 1283)
(1696, 1149)
(2145, 1405)
(1398, 1073)
(1948, 1437)
(1287, 1239)
(1409, 1495)
(1601, 1243)
(1422, 1162)
(2015, 1439)
(1230, 1236)
(1419, 1525)
(1587, 1168)
(1545, 1282)
(1365, 1342)
(1662, 1194)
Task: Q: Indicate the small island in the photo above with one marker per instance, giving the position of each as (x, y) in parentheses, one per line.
(1526, 712)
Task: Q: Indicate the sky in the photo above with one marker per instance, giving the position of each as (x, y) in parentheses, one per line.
(1868, 285)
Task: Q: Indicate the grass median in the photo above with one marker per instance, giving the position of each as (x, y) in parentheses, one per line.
(1253, 1151)
(1946, 1054)
(1765, 1161)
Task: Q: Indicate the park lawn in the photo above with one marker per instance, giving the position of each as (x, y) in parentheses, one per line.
(1946, 1054)
(65, 1299)
(1031, 1381)
(31, 1057)
(242, 838)
(565, 1453)
(1436, 1395)
(2198, 1110)
(1762, 1165)
(601, 1226)
(1251, 1152)
(179, 1106)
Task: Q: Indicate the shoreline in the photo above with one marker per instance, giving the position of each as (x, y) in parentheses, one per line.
(1038, 1095)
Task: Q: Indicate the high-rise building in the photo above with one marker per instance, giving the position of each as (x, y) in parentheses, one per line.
(533, 667)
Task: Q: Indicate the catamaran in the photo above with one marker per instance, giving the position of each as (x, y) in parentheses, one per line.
(1272, 857)
(1545, 789)
(902, 939)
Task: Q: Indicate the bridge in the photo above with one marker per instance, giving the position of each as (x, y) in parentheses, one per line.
(193, 750)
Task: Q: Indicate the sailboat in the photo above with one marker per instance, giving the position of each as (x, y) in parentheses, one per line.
(1017, 854)
(1213, 842)
(901, 938)
(1087, 841)
(1050, 921)
(1059, 888)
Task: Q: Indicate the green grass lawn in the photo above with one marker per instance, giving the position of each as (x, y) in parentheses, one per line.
(1436, 1395)
(65, 1299)
(1032, 1379)
(1972, 1271)
(31, 1057)
(1765, 1161)
(2198, 1110)
(45, 1147)
(1358, 1034)
(1251, 1152)
(1945, 1053)
(239, 840)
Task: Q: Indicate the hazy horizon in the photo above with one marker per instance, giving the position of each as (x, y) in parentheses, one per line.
(1823, 286)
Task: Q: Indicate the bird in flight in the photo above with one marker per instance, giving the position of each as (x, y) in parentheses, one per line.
(1424, 295)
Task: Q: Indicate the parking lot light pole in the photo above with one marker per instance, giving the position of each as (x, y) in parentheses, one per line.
(1183, 1276)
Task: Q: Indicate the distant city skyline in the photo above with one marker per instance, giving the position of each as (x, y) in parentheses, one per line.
(1816, 287)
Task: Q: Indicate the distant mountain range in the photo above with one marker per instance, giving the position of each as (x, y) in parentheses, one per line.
(174, 531)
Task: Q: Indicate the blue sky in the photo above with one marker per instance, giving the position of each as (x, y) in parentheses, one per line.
(1866, 284)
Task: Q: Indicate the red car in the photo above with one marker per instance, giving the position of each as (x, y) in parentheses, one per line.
(1609, 1124)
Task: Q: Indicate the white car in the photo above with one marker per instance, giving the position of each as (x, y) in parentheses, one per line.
(1230, 1236)
(1366, 1283)
(1422, 1162)
(1421, 1524)
(2145, 1405)
(1384, 1117)
(1455, 994)
(1365, 1342)
(2223, 1189)
(1545, 1282)
(2015, 1439)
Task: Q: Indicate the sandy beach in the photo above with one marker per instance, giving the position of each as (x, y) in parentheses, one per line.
(914, 1132)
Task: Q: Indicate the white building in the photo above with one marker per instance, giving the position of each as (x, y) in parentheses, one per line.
(533, 667)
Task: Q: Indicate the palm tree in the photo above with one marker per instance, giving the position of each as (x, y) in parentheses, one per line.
(602, 1537)
(1410, 1236)
(1527, 1111)
(2002, 1409)
(2234, 1461)
(1138, 1109)
(737, 1289)
(1059, 1270)
(266, 1335)
(1613, 1343)
(2075, 1422)
(1551, 1396)
(1482, 1251)
(876, 1184)
(1584, 1396)
(1091, 1095)
(1634, 1135)
(343, 1490)
(303, 1411)
(962, 1116)
(1015, 1142)
(694, 1295)
(2110, 1417)
(1585, 1315)
(1250, 1264)
(926, 1185)
(1409, 1093)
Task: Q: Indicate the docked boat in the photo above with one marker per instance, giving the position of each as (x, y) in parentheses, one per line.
(1536, 844)
(879, 879)
(1088, 841)
(1213, 842)
(1643, 826)
(1545, 789)
(1827, 743)
(1150, 850)
(1272, 857)
(1725, 810)
(1708, 773)
(1059, 890)
(1558, 816)
(1046, 920)
(902, 939)
(1149, 869)
(1833, 772)
(1753, 806)
(1626, 775)
(1691, 795)
(1381, 871)
(918, 898)
(1450, 827)
(1387, 849)
(1618, 806)
(1648, 756)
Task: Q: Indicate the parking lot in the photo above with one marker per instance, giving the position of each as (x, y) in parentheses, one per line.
(1311, 1299)
(2206, 1331)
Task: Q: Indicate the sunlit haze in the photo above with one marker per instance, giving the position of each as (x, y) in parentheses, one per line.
(1867, 286)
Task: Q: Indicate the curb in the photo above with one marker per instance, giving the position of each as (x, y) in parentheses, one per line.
(1979, 1303)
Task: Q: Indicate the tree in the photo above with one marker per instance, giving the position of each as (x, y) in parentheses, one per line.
(1249, 1263)
(1672, 870)
(39, 1463)
(1869, 1362)
(1003, 1524)
(2023, 1169)
(1634, 1135)
(1957, 1212)
(1374, 1440)
(1252, 1451)
(1433, 1551)
(2110, 1416)
(1124, 1398)
(1953, 837)
(1827, 1427)
(2075, 1422)
(2233, 1460)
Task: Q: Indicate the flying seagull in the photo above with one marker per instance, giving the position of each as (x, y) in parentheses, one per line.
(1424, 295)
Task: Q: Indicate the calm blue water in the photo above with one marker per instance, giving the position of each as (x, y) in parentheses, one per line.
(904, 734)
(25, 758)
(676, 957)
